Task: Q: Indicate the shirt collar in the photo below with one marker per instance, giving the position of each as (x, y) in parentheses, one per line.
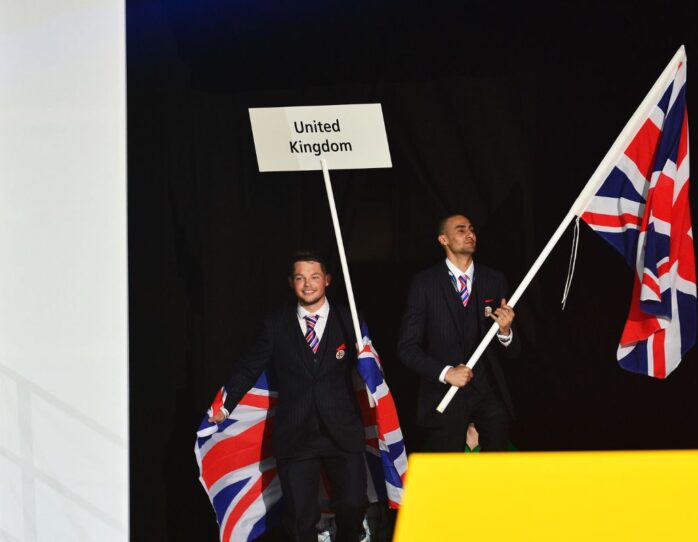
(457, 272)
(322, 312)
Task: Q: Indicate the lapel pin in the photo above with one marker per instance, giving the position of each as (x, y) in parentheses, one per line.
(340, 351)
(488, 311)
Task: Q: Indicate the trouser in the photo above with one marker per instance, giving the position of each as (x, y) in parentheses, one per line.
(491, 420)
(300, 482)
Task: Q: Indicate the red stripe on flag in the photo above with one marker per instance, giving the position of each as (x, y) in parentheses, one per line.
(643, 146)
(639, 325)
(387, 416)
(681, 247)
(663, 268)
(243, 504)
(259, 401)
(661, 197)
(683, 140)
(217, 402)
(658, 354)
(651, 284)
(237, 452)
(614, 221)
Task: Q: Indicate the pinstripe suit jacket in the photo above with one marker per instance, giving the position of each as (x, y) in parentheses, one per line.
(432, 336)
(310, 385)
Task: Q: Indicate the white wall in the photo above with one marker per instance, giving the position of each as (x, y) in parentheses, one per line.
(63, 271)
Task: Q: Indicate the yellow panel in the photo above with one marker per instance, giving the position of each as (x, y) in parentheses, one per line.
(567, 496)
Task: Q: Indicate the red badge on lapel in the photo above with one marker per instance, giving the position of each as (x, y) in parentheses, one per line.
(341, 351)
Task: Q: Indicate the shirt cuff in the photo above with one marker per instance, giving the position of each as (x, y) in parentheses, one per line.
(442, 376)
(505, 340)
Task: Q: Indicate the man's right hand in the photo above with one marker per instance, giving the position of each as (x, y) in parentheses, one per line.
(458, 376)
(218, 418)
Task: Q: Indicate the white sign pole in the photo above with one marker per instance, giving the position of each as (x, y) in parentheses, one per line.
(342, 255)
(584, 198)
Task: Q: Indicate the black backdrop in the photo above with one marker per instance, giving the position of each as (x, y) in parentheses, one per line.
(499, 112)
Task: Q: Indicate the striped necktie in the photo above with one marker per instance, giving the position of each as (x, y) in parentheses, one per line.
(310, 336)
(463, 289)
(461, 286)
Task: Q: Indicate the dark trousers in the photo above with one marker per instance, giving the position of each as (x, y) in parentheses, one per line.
(300, 483)
(487, 412)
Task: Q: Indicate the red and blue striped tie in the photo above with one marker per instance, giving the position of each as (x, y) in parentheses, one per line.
(463, 289)
(310, 336)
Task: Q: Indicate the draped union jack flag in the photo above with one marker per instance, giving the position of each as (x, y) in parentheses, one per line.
(237, 468)
(386, 459)
(642, 210)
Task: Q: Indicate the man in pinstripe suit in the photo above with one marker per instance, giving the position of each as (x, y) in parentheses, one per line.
(448, 311)
(317, 425)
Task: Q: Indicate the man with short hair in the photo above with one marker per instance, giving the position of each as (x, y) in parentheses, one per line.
(449, 309)
(311, 348)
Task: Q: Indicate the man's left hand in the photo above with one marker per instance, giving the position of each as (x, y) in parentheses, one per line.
(504, 316)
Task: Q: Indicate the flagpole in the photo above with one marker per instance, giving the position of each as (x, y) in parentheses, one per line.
(584, 198)
(342, 254)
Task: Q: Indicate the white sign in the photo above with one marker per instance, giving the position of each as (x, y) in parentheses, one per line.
(296, 138)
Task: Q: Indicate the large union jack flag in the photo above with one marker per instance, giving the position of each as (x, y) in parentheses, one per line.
(642, 210)
(237, 468)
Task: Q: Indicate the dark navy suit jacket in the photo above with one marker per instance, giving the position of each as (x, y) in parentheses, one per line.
(433, 336)
(312, 387)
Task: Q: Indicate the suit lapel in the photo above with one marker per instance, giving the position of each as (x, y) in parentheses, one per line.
(452, 300)
(329, 340)
(301, 350)
(481, 283)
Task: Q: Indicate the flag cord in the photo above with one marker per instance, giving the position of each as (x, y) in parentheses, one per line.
(573, 261)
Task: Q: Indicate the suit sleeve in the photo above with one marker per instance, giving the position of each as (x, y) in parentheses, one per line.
(514, 348)
(411, 341)
(248, 369)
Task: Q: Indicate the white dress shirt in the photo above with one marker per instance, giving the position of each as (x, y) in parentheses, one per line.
(321, 314)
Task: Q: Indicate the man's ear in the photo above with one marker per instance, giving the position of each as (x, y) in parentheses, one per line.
(290, 282)
(328, 280)
(442, 239)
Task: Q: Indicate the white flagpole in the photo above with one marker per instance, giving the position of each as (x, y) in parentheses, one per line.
(584, 198)
(342, 255)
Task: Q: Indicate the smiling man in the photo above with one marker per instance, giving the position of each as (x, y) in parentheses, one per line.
(449, 309)
(317, 421)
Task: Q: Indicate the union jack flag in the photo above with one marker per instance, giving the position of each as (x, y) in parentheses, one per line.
(642, 210)
(238, 470)
(236, 466)
(386, 459)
